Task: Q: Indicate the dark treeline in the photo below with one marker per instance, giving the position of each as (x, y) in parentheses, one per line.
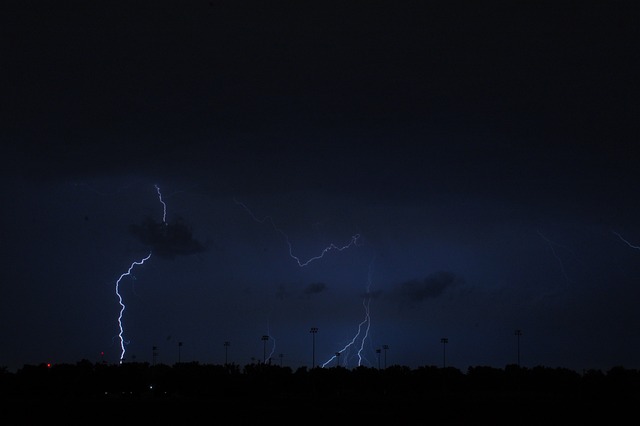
(193, 379)
(395, 390)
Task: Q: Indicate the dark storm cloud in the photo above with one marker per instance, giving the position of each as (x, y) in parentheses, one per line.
(286, 291)
(315, 288)
(167, 239)
(417, 291)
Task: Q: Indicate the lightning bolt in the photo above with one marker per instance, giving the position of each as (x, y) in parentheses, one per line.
(122, 306)
(364, 324)
(128, 273)
(269, 337)
(330, 247)
(625, 241)
(164, 205)
(273, 348)
(555, 254)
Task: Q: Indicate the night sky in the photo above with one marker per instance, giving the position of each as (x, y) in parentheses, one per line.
(400, 172)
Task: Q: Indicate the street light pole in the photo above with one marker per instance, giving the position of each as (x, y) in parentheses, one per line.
(385, 347)
(518, 333)
(264, 348)
(313, 331)
(378, 355)
(444, 342)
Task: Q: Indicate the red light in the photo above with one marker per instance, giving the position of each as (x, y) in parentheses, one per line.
(48, 365)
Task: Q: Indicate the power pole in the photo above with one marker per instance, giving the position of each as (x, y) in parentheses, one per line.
(385, 347)
(313, 331)
(444, 342)
(155, 354)
(264, 348)
(518, 333)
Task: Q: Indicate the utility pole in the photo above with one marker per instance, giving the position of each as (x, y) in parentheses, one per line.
(264, 348)
(337, 359)
(313, 331)
(385, 347)
(518, 333)
(155, 354)
(444, 342)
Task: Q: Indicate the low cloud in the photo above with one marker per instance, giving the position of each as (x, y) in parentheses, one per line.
(167, 239)
(417, 291)
(315, 288)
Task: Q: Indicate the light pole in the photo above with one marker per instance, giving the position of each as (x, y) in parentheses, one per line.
(444, 342)
(264, 348)
(378, 355)
(518, 333)
(313, 331)
(337, 359)
(226, 351)
(385, 347)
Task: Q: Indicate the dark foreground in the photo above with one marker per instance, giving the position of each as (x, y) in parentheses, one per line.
(195, 394)
(446, 409)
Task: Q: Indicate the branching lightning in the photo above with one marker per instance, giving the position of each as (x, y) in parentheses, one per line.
(352, 242)
(128, 273)
(365, 323)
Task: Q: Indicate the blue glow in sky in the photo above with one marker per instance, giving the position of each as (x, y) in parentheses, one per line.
(418, 171)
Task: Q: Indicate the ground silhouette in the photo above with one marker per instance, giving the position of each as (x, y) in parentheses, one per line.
(194, 393)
